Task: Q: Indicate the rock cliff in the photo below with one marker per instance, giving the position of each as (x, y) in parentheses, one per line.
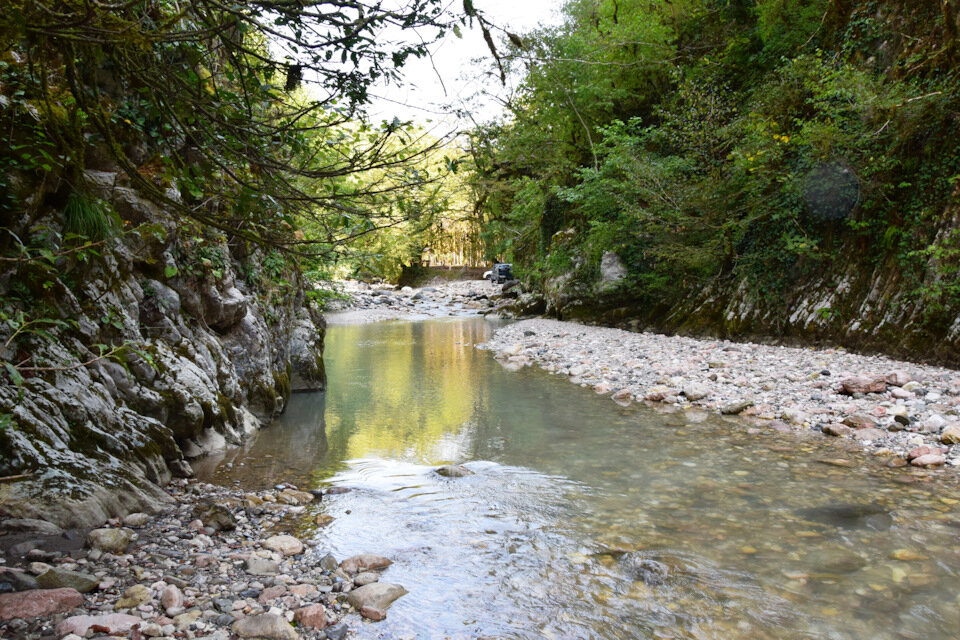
(213, 336)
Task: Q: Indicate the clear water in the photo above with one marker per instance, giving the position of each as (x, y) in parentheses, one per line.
(590, 520)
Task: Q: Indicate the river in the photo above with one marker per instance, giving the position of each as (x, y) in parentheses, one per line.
(585, 519)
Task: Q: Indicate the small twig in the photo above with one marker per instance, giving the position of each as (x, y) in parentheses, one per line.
(19, 476)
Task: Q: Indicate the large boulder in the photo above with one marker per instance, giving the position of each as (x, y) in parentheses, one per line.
(57, 578)
(378, 595)
(364, 562)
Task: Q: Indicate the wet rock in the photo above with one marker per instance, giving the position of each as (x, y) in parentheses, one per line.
(646, 570)
(268, 626)
(835, 560)
(924, 450)
(454, 471)
(863, 384)
(32, 526)
(294, 497)
(378, 595)
(38, 602)
(929, 460)
(372, 613)
(837, 430)
(312, 616)
(850, 516)
(56, 578)
(336, 491)
(364, 562)
(111, 624)
(736, 407)
(110, 540)
(337, 632)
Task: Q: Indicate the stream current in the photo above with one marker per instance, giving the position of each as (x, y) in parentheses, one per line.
(585, 519)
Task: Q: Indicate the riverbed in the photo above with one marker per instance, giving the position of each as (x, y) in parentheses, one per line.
(586, 519)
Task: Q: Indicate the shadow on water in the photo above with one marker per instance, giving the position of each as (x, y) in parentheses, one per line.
(585, 519)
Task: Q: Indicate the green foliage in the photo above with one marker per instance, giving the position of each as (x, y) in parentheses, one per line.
(740, 140)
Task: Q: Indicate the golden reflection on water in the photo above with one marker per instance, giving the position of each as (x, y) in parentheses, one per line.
(397, 407)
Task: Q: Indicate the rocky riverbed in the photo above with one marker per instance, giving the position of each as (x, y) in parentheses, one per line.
(218, 563)
(908, 412)
(362, 302)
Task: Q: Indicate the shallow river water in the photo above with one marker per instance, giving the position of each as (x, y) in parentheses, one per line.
(590, 520)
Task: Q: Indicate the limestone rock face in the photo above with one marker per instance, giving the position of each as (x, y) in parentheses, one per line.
(211, 360)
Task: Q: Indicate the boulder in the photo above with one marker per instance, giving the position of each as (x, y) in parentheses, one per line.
(38, 602)
(287, 545)
(364, 562)
(863, 384)
(266, 625)
(365, 578)
(136, 519)
(110, 540)
(929, 460)
(838, 430)
(378, 595)
(736, 407)
(56, 578)
(372, 613)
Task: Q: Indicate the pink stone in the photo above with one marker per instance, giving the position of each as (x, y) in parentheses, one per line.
(171, 597)
(928, 460)
(38, 602)
(302, 589)
(925, 450)
(372, 613)
(838, 430)
(272, 593)
(313, 616)
(860, 384)
(114, 623)
(868, 433)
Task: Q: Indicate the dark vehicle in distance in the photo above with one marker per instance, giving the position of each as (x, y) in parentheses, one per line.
(501, 272)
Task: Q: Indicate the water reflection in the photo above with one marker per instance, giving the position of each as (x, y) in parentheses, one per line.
(590, 520)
